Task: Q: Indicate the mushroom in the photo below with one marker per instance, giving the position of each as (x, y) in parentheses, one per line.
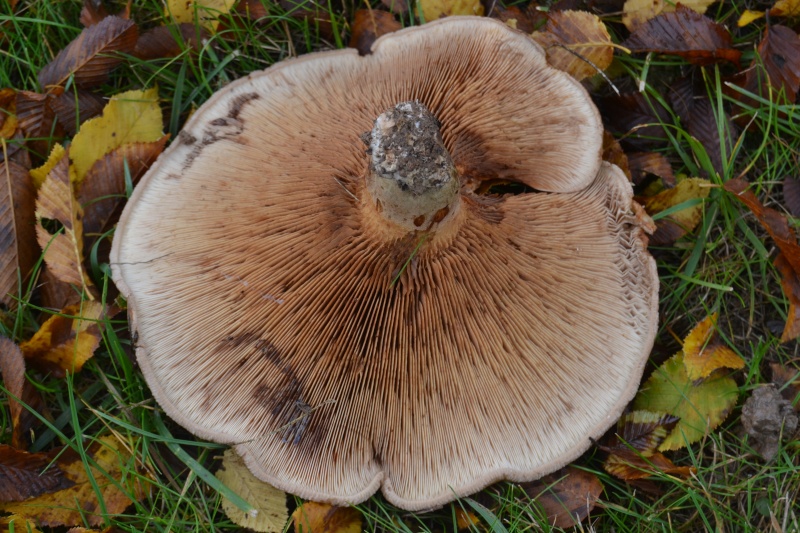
(465, 298)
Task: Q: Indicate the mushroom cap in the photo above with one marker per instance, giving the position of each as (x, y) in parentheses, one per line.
(338, 358)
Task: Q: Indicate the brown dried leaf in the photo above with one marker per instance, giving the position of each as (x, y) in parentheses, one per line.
(63, 251)
(93, 12)
(643, 163)
(251, 9)
(12, 367)
(56, 294)
(79, 503)
(791, 195)
(636, 121)
(170, 41)
(312, 517)
(26, 475)
(8, 113)
(566, 496)
(35, 115)
(92, 55)
(576, 42)
(790, 282)
(66, 340)
(313, 12)
(103, 189)
(687, 34)
(630, 466)
(704, 352)
(398, 7)
(613, 153)
(637, 12)
(368, 25)
(75, 108)
(18, 251)
(526, 21)
(779, 52)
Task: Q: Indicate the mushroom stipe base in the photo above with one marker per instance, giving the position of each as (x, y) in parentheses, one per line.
(359, 317)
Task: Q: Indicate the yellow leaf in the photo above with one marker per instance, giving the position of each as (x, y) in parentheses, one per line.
(8, 117)
(39, 174)
(785, 8)
(682, 221)
(130, 117)
(20, 524)
(67, 340)
(270, 503)
(584, 34)
(63, 249)
(434, 9)
(312, 517)
(208, 11)
(705, 353)
(637, 12)
(749, 16)
(115, 474)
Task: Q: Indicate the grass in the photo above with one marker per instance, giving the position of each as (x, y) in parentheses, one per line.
(725, 265)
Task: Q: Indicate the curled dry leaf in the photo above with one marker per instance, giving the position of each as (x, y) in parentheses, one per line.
(63, 249)
(18, 250)
(637, 12)
(701, 405)
(12, 368)
(67, 340)
(170, 41)
(90, 58)
(691, 191)
(430, 10)
(312, 517)
(787, 262)
(207, 12)
(26, 475)
(687, 34)
(576, 42)
(567, 496)
(643, 163)
(368, 25)
(767, 417)
(704, 352)
(130, 117)
(115, 473)
(269, 503)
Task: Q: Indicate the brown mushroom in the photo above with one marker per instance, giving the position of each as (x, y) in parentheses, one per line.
(354, 319)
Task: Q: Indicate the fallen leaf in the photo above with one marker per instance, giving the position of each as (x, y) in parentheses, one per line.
(636, 121)
(103, 188)
(271, 512)
(787, 262)
(637, 12)
(526, 21)
(26, 475)
(207, 12)
(37, 119)
(643, 163)
(18, 251)
(775, 73)
(704, 352)
(398, 7)
(115, 473)
(766, 418)
(782, 8)
(788, 382)
(93, 12)
(12, 367)
(748, 16)
(252, 9)
(67, 340)
(312, 517)
(465, 519)
(576, 42)
(130, 117)
(63, 249)
(368, 25)
(19, 524)
(614, 154)
(791, 195)
(700, 405)
(687, 34)
(74, 108)
(91, 57)
(170, 41)
(566, 496)
(8, 113)
(39, 174)
(430, 10)
(630, 466)
(56, 294)
(678, 223)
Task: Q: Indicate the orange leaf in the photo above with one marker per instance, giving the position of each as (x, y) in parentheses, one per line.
(66, 341)
(368, 25)
(312, 517)
(567, 496)
(703, 352)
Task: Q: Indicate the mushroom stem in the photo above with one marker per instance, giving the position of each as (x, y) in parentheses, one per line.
(412, 180)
